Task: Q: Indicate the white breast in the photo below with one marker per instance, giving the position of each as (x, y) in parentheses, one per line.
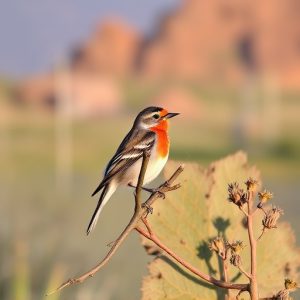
(155, 166)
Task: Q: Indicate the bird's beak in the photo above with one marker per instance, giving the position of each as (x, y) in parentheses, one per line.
(170, 115)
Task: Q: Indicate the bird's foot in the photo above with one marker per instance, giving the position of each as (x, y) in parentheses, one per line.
(151, 191)
(148, 208)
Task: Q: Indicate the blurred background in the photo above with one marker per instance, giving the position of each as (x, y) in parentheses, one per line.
(74, 74)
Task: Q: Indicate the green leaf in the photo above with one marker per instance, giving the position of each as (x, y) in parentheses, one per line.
(190, 216)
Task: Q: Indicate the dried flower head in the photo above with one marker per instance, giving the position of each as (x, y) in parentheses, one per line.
(218, 245)
(236, 194)
(235, 260)
(251, 184)
(290, 284)
(236, 247)
(271, 218)
(264, 197)
(282, 295)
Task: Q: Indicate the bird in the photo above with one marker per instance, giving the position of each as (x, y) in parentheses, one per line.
(149, 133)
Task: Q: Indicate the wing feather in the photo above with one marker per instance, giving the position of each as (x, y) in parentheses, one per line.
(130, 151)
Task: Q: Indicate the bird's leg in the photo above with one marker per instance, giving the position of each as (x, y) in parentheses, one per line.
(151, 191)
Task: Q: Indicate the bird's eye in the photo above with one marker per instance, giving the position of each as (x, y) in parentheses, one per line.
(156, 116)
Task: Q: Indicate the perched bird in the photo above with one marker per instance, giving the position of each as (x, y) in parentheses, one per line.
(148, 133)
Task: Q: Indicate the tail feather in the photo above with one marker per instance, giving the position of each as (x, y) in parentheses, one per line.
(105, 195)
(99, 188)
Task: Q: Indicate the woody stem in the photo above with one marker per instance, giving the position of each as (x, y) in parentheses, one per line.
(252, 240)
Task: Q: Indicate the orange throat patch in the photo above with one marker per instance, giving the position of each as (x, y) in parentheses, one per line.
(163, 143)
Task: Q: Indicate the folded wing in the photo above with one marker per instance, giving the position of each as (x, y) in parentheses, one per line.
(130, 151)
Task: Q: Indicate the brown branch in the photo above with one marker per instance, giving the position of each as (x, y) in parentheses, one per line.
(255, 210)
(239, 294)
(226, 277)
(139, 213)
(225, 269)
(152, 237)
(244, 272)
(243, 210)
(262, 233)
(147, 226)
(263, 210)
(253, 280)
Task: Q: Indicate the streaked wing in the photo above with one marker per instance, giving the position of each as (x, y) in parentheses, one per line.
(127, 155)
(132, 149)
(119, 151)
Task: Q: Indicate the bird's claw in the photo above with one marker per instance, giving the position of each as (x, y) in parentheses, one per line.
(148, 208)
(161, 194)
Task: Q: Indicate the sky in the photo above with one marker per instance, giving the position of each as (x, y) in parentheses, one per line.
(34, 34)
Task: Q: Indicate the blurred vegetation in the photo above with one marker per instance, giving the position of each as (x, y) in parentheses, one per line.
(49, 223)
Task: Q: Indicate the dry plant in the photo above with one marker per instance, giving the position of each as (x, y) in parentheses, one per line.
(187, 280)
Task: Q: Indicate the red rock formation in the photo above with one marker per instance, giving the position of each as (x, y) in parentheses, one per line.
(111, 50)
(205, 40)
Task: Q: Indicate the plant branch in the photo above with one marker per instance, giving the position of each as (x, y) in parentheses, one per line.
(262, 233)
(252, 240)
(227, 285)
(244, 272)
(225, 269)
(139, 213)
(239, 294)
(243, 210)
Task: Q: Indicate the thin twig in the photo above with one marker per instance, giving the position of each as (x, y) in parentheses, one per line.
(244, 272)
(262, 233)
(263, 210)
(144, 220)
(206, 277)
(253, 281)
(239, 294)
(138, 214)
(243, 210)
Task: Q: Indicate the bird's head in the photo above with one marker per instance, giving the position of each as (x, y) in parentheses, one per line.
(154, 118)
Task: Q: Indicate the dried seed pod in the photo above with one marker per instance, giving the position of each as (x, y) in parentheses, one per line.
(236, 247)
(251, 184)
(235, 259)
(290, 285)
(271, 218)
(218, 245)
(282, 295)
(236, 194)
